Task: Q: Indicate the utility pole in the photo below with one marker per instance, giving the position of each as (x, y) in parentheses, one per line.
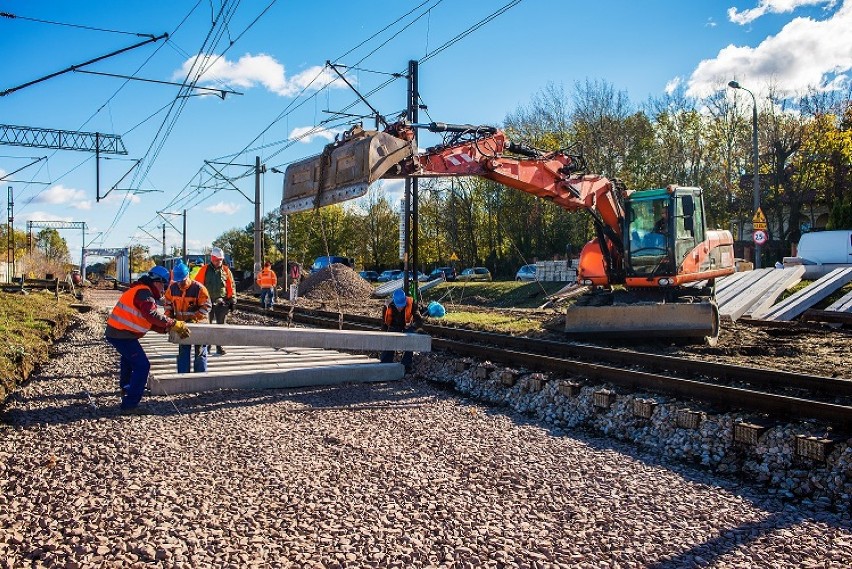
(10, 238)
(410, 202)
(258, 231)
(164, 243)
(184, 255)
(413, 96)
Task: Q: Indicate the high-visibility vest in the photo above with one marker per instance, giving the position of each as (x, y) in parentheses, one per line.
(409, 309)
(229, 279)
(125, 316)
(266, 278)
(188, 304)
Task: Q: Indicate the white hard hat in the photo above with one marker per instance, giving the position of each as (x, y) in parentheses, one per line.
(217, 253)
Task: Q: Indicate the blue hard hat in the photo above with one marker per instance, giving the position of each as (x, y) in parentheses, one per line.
(399, 298)
(160, 274)
(180, 272)
(436, 310)
(199, 261)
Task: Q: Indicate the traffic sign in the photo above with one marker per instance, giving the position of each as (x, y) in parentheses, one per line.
(760, 237)
(758, 222)
(454, 257)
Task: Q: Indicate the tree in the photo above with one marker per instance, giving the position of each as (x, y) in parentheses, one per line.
(239, 244)
(378, 229)
(52, 246)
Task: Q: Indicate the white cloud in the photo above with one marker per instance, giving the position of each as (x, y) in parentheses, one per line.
(44, 216)
(307, 134)
(119, 197)
(59, 194)
(672, 85)
(394, 190)
(223, 207)
(773, 7)
(84, 205)
(251, 70)
(806, 53)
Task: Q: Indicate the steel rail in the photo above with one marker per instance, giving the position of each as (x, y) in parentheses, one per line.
(511, 351)
(756, 376)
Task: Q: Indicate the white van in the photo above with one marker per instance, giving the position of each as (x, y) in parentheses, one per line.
(823, 251)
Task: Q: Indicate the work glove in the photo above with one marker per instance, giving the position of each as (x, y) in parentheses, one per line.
(181, 329)
(231, 303)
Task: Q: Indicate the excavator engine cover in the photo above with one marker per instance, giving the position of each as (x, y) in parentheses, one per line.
(343, 171)
(698, 320)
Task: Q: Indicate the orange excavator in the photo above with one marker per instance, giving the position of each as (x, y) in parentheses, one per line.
(650, 268)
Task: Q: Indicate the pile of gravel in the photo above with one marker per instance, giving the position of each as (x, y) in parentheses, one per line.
(335, 282)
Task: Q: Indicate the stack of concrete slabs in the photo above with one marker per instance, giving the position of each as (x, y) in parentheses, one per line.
(796, 304)
(276, 367)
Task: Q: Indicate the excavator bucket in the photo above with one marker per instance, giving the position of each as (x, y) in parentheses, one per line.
(678, 320)
(343, 171)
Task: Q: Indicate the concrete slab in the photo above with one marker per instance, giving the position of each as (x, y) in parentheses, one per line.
(844, 304)
(796, 304)
(231, 335)
(789, 277)
(296, 376)
(168, 366)
(729, 280)
(733, 290)
(761, 291)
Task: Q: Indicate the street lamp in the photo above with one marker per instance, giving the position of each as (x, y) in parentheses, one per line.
(735, 85)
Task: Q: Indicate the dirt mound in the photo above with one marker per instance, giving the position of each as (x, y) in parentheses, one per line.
(335, 281)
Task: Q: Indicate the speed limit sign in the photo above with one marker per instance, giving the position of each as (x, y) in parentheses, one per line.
(760, 237)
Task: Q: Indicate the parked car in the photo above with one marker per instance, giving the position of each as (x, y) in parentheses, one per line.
(420, 276)
(389, 276)
(323, 262)
(371, 276)
(475, 274)
(449, 273)
(525, 273)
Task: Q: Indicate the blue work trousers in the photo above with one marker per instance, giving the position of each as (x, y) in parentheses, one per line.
(387, 356)
(267, 297)
(184, 355)
(134, 368)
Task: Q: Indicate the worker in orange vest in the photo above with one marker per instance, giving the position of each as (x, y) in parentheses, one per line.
(187, 300)
(267, 280)
(135, 314)
(400, 315)
(217, 279)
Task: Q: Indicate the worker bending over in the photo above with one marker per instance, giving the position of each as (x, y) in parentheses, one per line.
(217, 279)
(267, 280)
(187, 300)
(130, 319)
(400, 316)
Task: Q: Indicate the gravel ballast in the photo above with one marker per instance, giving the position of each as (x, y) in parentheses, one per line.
(393, 475)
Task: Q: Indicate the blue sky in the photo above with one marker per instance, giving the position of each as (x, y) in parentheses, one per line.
(273, 52)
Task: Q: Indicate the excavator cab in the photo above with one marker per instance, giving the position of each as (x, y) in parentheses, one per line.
(666, 236)
(649, 236)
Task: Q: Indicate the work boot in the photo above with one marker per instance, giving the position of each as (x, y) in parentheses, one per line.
(220, 350)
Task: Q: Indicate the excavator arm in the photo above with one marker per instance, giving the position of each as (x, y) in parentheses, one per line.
(347, 167)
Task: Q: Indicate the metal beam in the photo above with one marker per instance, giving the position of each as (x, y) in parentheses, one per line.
(56, 139)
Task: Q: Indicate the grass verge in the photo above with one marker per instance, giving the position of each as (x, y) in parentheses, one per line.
(501, 294)
(29, 324)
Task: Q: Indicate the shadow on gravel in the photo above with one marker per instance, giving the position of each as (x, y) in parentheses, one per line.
(64, 408)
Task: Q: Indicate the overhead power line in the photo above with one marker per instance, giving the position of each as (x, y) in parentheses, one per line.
(79, 26)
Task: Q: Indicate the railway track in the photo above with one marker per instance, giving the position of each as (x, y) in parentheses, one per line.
(781, 395)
